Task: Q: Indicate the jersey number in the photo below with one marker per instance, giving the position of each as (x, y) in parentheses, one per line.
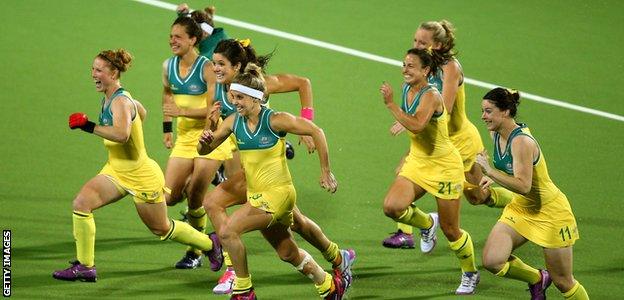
(563, 232)
(445, 188)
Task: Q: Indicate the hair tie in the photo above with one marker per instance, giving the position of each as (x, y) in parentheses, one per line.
(511, 91)
(245, 43)
(206, 27)
(429, 50)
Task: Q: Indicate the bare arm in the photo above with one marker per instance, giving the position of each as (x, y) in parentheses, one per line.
(523, 150)
(167, 99)
(284, 83)
(140, 110)
(210, 140)
(172, 110)
(450, 83)
(122, 121)
(285, 122)
(429, 103)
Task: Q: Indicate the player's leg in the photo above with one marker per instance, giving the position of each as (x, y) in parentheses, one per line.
(177, 175)
(559, 264)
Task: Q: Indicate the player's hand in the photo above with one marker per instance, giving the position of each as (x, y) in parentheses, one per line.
(483, 160)
(168, 140)
(328, 182)
(215, 113)
(386, 93)
(206, 137)
(182, 8)
(308, 141)
(485, 182)
(78, 120)
(171, 110)
(396, 128)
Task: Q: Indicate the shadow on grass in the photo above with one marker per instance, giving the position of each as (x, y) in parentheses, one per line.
(61, 249)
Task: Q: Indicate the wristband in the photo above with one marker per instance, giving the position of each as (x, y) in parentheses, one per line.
(307, 113)
(89, 127)
(167, 126)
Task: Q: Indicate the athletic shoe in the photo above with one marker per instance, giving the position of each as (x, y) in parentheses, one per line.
(219, 176)
(399, 239)
(468, 283)
(77, 271)
(538, 290)
(248, 295)
(348, 259)
(338, 287)
(290, 150)
(215, 255)
(428, 237)
(190, 260)
(226, 282)
(184, 215)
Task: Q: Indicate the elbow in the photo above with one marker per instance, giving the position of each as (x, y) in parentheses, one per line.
(123, 139)
(416, 128)
(524, 189)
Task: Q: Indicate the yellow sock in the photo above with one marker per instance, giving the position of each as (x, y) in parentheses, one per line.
(577, 292)
(332, 253)
(185, 234)
(415, 217)
(226, 259)
(242, 285)
(515, 268)
(198, 219)
(84, 234)
(500, 197)
(405, 228)
(464, 250)
(326, 287)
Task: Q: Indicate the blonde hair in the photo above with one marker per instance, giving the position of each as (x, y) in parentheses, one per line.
(444, 33)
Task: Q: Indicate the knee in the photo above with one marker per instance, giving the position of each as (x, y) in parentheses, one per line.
(473, 197)
(297, 226)
(82, 203)
(493, 264)
(392, 210)
(160, 230)
(227, 233)
(173, 197)
(289, 255)
(210, 202)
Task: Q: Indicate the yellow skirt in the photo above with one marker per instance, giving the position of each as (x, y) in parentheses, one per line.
(443, 177)
(278, 201)
(186, 147)
(145, 183)
(468, 143)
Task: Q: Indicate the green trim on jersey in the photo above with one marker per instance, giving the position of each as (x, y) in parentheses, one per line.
(227, 108)
(193, 83)
(412, 108)
(106, 115)
(264, 137)
(503, 160)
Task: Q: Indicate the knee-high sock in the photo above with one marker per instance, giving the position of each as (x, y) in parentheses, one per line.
(515, 268)
(415, 217)
(185, 234)
(84, 235)
(198, 219)
(577, 292)
(464, 250)
(405, 228)
(332, 254)
(227, 260)
(242, 284)
(499, 197)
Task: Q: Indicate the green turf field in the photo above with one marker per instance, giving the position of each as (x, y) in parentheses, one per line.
(566, 50)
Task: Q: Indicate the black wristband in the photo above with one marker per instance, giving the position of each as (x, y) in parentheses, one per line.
(89, 127)
(167, 126)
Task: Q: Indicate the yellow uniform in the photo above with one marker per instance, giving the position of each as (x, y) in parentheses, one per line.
(191, 93)
(542, 216)
(262, 153)
(463, 134)
(433, 163)
(128, 165)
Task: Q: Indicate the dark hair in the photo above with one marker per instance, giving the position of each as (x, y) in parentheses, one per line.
(504, 99)
(204, 16)
(242, 52)
(443, 32)
(252, 77)
(117, 59)
(426, 58)
(190, 27)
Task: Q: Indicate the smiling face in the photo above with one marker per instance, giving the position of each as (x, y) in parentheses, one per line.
(179, 41)
(245, 104)
(492, 116)
(423, 39)
(413, 71)
(223, 68)
(102, 74)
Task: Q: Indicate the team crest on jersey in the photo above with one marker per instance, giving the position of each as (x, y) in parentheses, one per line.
(509, 166)
(194, 88)
(238, 141)
(173, 87)
(264, 140)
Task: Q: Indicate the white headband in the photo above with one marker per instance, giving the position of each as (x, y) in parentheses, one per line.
(206, 27)
(247, 91)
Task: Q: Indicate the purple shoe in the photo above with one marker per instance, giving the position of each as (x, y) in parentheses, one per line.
(399, 239)
(538, 290)
(77, 271)
(215, 255)
(248, 295)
